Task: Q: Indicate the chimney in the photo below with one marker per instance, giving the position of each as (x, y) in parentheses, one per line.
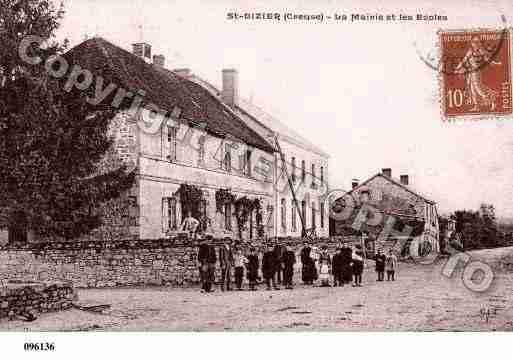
(387, 172)
(143, 50)
(354, 183)
(405, 180)
(159, 60)
(230, 92)
(182, 72)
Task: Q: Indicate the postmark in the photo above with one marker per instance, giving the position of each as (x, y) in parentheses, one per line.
(475, 74)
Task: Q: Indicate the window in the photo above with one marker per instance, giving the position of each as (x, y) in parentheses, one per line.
(294, 217)
(322, 213)
(313, 175)
(173, 223)
(283, 214)
(322, 176)
(203, 214)
(303, 212)
(171, 143)
(227, 158)
(251, 225)
(169, 214)
(201, 150)
(247, 163)
(313, 214)
(293, 165)
(228, 216)
(303, 171)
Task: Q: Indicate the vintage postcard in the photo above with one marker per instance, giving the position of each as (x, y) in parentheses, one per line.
(224, 166)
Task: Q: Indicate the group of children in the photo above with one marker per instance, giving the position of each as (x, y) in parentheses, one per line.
(277, 266)
(347, 265)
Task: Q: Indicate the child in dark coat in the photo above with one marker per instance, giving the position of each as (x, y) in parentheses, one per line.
(380, 259)
(252, 268)
(357, 266)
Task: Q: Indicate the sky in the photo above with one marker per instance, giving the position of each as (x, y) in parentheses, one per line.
(358, 90)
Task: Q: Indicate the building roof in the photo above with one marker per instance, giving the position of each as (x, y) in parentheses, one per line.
(265, 119)
(162, 88)
(408, 188)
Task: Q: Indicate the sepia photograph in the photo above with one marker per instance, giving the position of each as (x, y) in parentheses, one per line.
(232, 166)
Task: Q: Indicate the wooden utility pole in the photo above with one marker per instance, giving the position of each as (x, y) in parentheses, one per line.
(291, 186)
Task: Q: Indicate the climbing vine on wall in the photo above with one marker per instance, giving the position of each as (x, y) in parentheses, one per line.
(190, 198)
(223, 196)
(244, 207)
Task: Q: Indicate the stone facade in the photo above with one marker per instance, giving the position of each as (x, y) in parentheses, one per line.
(388, 199)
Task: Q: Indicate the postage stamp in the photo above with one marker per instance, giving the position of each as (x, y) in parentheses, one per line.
(475, 74)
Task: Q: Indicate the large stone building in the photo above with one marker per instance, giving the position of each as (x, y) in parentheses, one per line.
(210, 154)
(388, 212)
(207, 148)
(307, 164)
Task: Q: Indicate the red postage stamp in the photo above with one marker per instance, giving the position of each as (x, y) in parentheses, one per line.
(475, 74)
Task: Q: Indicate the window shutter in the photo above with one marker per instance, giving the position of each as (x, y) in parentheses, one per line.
(165, 219)
(165, 143)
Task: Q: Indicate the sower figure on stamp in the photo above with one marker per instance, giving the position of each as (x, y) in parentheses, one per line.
(226, 264)
(288, 260)
(471, 66)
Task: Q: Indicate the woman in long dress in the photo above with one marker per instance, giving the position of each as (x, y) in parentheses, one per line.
(472, 64)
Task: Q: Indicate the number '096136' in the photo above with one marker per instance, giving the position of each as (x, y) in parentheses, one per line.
(42, 346)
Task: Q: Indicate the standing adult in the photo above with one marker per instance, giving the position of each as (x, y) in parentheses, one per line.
(239, 261)
(307, 264)
(252, 268)
(278, 252)
(288, 259)
(190, 225)
(347, 258)
(336, 268)
(269, 266)
(380, 259)
(226, 264)
(324, 267)
(207, 262)
(391, 265)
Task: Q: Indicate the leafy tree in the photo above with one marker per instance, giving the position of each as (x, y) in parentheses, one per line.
(479, 228)
(51, 141)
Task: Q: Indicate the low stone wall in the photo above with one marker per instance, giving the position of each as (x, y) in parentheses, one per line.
(26, 299)
(111, 263)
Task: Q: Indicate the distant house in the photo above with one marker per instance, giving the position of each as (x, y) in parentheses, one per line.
(307, 164)
(198, 151)
(388, 210)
